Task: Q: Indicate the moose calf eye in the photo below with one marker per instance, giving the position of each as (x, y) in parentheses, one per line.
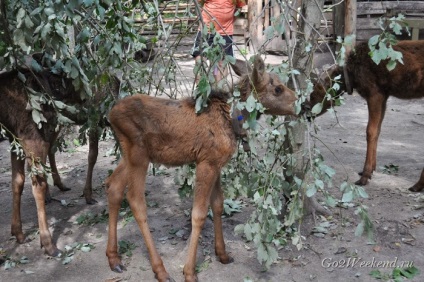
(278, 90)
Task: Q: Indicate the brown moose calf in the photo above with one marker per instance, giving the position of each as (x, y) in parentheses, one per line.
(376, 84)
(35, 142)
(169, 132)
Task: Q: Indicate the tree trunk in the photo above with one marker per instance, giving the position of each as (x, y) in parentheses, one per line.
(308, 31)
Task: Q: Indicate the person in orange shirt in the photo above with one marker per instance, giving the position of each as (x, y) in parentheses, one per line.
(221, 14)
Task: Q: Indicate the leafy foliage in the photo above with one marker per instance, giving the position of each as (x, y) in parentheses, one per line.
(398, 274)
(381, 45)
(126, 247)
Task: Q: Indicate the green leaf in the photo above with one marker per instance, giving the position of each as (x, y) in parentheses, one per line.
(36, 116)
(248, 232)
(250, 104)
(279, 26)
(269, 32)
(373, 41)
(85, 248)
(359, 229)
(330, 201)
(347, 197)
(239, 229)
(362, 192)
(49, 179)
(375, 274)
(311, 190)
(67, 260)
(48, 11)
(349, 39)
(409, 272)
(262, 253)
(317, 108)
(45, 31)
(28, 22)
(63, 120)
(319, 183)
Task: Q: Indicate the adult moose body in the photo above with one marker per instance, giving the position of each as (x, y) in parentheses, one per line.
(155, 130)
(376, 84)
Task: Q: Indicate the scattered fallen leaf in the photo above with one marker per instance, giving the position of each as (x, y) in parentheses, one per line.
(114, 279)
(340, 250)
(376, 249)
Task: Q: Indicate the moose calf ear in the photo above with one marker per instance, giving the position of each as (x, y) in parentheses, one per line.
(258, 69)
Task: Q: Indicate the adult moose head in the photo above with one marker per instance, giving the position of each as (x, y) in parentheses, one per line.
(376, 84)
(169, 132)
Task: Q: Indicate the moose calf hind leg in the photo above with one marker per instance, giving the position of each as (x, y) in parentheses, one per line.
(115, 187)
(217, 205)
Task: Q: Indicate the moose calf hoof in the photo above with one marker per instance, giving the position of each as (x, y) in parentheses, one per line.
(91, 201)
(166, 279)
(362, 181)
(20, 237)
(119, 268)
(191, 278)
(416, 188)
(54, 252)
(226, 259)
(63, 188)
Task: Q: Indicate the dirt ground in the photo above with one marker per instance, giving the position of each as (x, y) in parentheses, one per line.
(399, 225)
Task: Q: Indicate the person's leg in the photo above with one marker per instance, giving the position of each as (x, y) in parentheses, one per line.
(222, 71)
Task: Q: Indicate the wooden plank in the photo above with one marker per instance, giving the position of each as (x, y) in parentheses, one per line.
(255, 24)
(381, 7)
(338, 19)
(350, 22)
(415, 23)
(367, 23)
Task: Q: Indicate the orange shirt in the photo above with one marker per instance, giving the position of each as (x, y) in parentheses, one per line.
(221, 14)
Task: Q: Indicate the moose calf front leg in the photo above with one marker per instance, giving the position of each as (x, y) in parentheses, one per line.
(376, 109)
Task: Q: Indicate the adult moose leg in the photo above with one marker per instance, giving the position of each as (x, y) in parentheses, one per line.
(419, 186)
(206, 177)
(217, 205)
(376, 110)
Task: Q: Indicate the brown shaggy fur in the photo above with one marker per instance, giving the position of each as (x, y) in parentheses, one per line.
(155, 130)
(376, 84)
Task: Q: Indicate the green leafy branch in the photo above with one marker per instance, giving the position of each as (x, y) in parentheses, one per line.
(381, 45)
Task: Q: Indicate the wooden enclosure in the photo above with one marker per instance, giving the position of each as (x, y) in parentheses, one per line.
(253, 23)
(369, 12)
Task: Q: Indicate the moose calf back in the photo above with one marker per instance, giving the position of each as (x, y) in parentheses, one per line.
(171, 133)
(406, 81)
